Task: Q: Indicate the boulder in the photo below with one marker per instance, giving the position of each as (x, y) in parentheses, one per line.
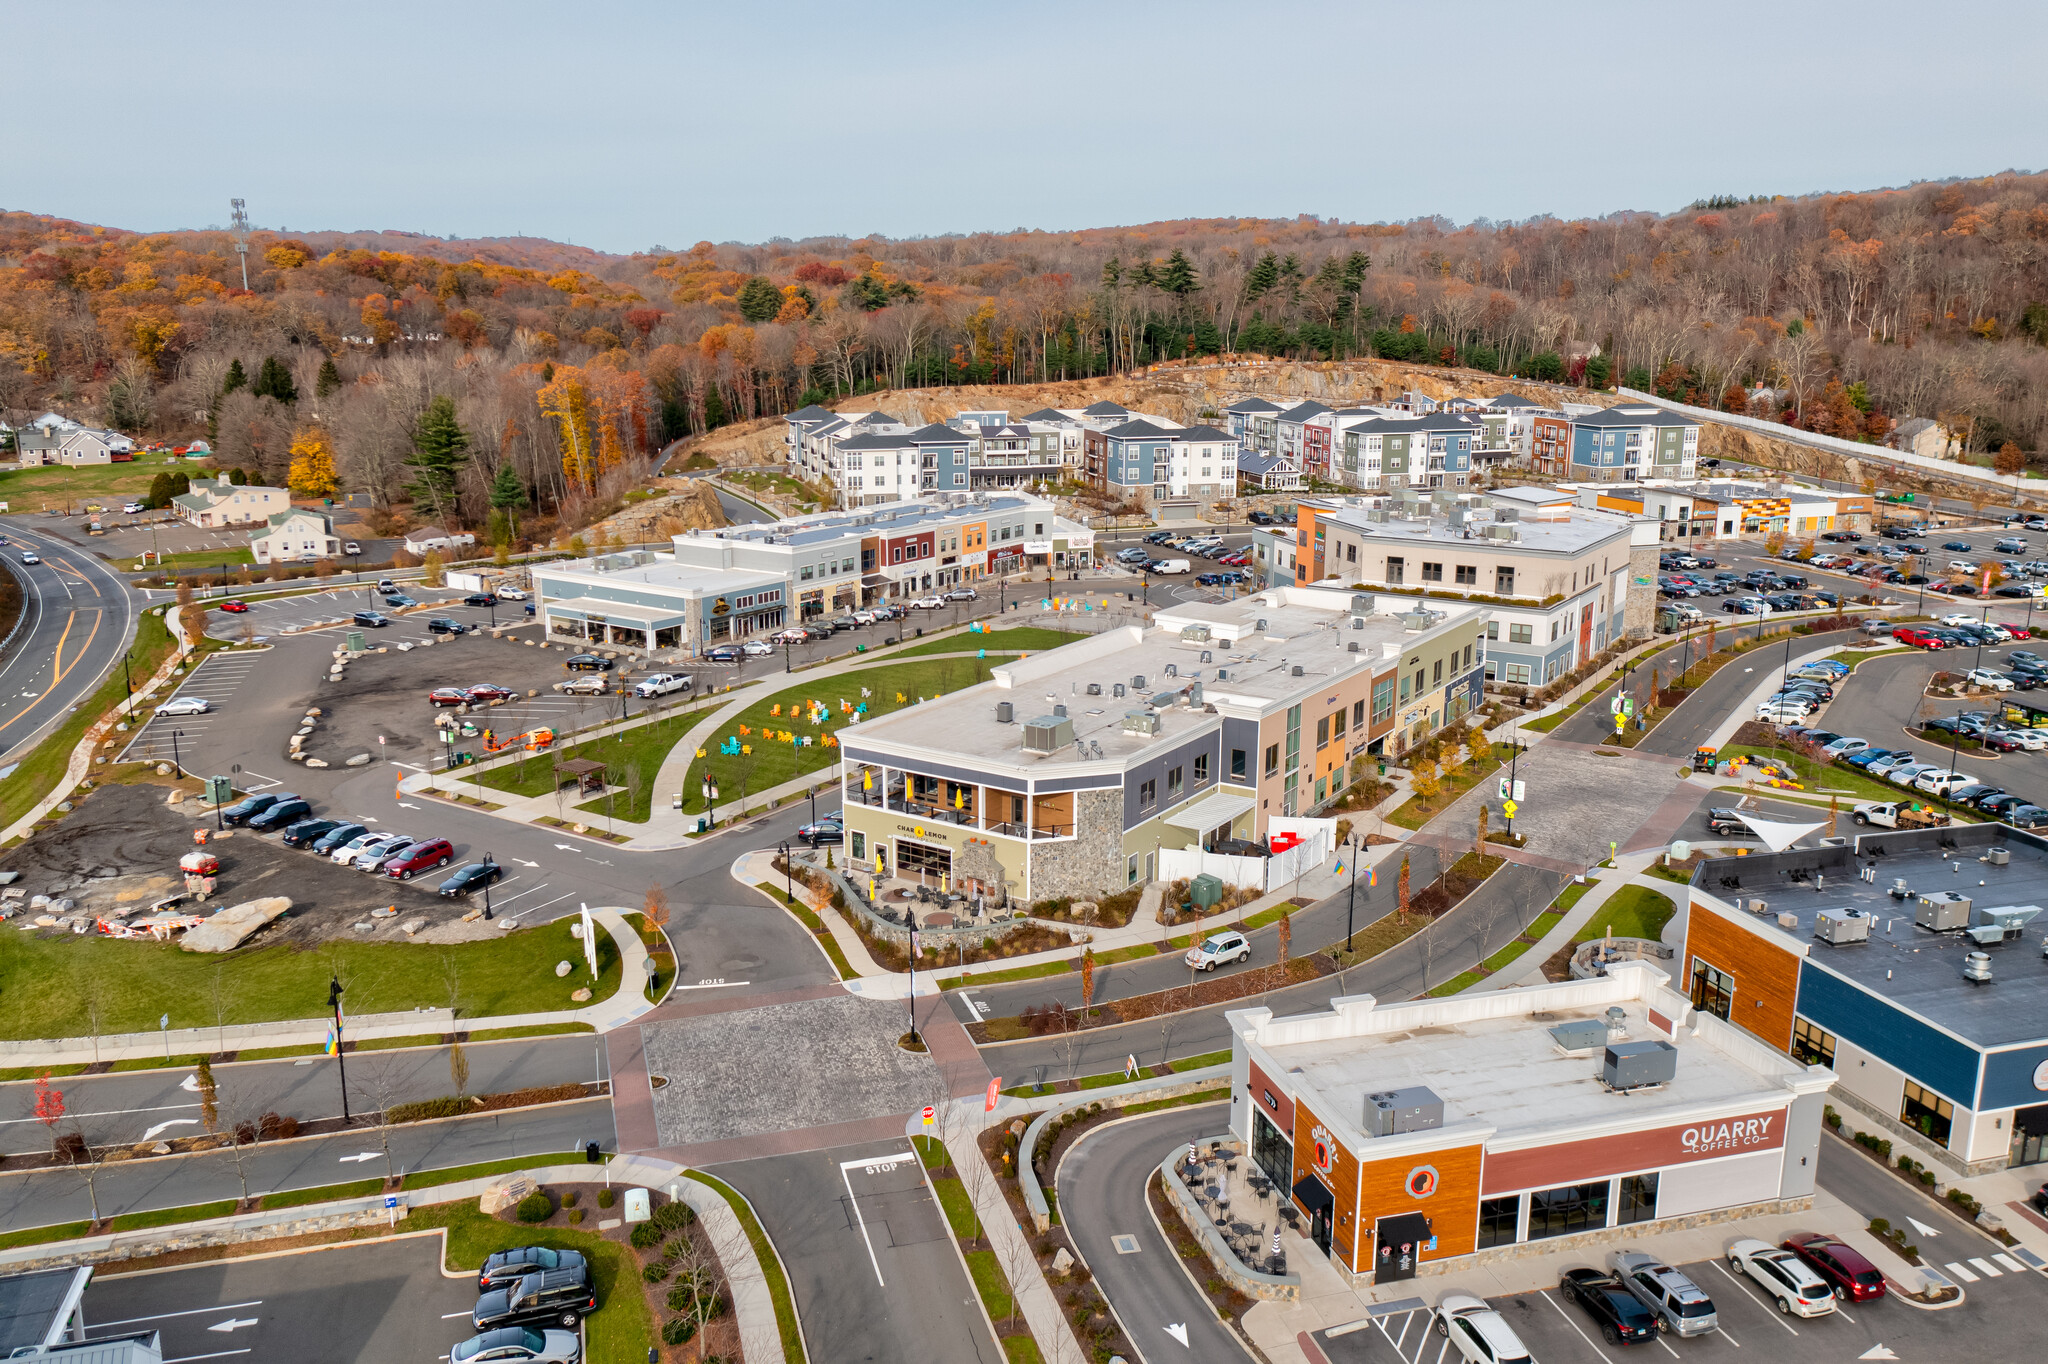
(359, 760)
(411, 926)
(580, 996)
(1062, 1261)
(499, 1197)
(231, 927)
(316, 762)
(561, 967)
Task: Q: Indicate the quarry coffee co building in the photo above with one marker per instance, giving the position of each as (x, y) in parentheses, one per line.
(1420, 1137)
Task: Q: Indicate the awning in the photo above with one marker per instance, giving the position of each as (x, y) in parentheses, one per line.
(1212, 811)
(1311, 1194)
(616, 613)
(1777, 834)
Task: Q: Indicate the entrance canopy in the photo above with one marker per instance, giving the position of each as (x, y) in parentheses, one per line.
(1212, 811)
(1777, 834)
(616, 613)
(1311, 1194)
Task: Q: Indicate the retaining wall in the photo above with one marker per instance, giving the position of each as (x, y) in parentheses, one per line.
(1272, 1287)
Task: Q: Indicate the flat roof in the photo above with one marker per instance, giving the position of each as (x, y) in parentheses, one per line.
(1511, 1074)
(1579, 531)
(35, 1306)
(886, 518)
(1913, 968)
(661, 572)
(1249, 670)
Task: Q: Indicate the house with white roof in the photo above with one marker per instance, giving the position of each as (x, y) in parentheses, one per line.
(299, 535)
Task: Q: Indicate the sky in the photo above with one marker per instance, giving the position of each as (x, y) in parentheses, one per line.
(623, 126)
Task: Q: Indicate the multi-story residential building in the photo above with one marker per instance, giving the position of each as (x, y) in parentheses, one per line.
(1145, 462)
(1302, 439)
(1255, 422)
(1563, 580)
(223, 503)
(1007, 454)
(1388, 452)
(1069, 771)
(1627, 443)
(1070, 427)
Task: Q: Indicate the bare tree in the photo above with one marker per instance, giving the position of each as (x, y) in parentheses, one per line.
(700, 1292)
(217, 988)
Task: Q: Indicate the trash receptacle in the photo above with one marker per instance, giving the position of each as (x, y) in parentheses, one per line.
(676, 801)
(591, 1154)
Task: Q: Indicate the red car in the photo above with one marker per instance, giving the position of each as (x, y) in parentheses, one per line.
(490, 691)
(434, 852)
(235, 606)
(2000, 743)
(1907, 634)
(2019, 632)
(448, 696)
(1853, 1278)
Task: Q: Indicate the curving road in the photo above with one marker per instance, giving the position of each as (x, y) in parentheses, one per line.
(78, 618)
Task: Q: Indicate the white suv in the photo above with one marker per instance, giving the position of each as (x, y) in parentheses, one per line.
(1481, 1334)
(1786, 1277)
(1217, 950)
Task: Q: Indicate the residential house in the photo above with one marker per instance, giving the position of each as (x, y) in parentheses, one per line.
(1149, 460)
(434, 538)
(1262, 473)
(299, 535)
(222, 503)
(1927, 439)
(1397, 451)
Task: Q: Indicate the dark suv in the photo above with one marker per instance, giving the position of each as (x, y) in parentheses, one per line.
(248, 808)
(507, 1267)
(562, 1295)
(1727, 823)
(281, 814)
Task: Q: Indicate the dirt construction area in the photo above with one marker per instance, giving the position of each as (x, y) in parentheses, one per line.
(119, 851)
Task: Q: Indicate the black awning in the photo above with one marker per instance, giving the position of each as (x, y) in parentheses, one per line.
(1311, 1194)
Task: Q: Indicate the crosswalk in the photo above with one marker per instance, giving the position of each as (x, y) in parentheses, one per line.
(1978, 1267)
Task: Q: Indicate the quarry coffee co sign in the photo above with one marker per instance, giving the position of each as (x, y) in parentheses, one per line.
(1739, 1134)
(1570, 1162)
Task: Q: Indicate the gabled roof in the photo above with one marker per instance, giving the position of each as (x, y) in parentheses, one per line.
(277, 519)
(1138, 431)
(196, 500)
(1260, 464)
(1301, 412)
(1511, 400)
(935, 434)
(1253, 405)
(811, 413)
(1105, 408)
(1202, 433)
(1631, 415)
(1046, 414)
(876, 440)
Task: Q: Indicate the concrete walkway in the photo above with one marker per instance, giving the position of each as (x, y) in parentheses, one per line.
(1041, 1310)
(616, 1010)
(1527, 969)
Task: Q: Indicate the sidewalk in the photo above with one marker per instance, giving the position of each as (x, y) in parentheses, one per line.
(1527, 969)
(1049, 1325)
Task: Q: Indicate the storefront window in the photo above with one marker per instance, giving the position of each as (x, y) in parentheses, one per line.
(1928, 1111)
(860, 846)
(1497, 1219)
(1812, 1045)
(1638, 1200)
(1713, 991)
(1574, 1208)
(1273, 1152)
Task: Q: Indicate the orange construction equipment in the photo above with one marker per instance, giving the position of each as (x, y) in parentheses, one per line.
(533, 739)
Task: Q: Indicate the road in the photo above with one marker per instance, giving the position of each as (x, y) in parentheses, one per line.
(143, 1105)
(870, 1262)
(78, 620)
(36, 1198)
(1101, 1186)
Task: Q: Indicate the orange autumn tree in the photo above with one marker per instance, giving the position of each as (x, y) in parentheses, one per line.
(566, 401)
(601, 411)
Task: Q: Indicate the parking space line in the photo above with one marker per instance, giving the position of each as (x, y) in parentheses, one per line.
(217, 1354)
(1751, 1292)
(159, 1316)
(1722, 1331)
(1576, 1327)
(1844, 1315)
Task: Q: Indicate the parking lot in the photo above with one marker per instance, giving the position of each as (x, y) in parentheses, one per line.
(268, 616)
(357, 1304)
(218, 680)
(1996, 1322)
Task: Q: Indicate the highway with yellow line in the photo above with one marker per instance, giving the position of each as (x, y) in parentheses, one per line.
(78, 618)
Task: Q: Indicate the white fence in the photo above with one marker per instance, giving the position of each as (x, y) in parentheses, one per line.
(1185, 864)
(1318, 840)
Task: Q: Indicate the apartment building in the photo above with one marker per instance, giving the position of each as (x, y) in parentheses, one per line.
(1632, 443)
(1069, 771)
(1146, 461)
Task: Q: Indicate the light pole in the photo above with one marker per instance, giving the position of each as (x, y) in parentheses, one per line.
(340, 1065)
(1352, 904)
(487, 888)
(177, 764)
(788, 877)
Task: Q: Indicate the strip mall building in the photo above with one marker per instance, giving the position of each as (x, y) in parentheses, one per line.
(1415, 1137)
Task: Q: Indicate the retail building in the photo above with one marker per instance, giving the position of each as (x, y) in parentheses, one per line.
(1425, 1137)
(1073, 769)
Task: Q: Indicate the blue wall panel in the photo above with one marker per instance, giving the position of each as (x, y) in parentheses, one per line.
(1926, 1054)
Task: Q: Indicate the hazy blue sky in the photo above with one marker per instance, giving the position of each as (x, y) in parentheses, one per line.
(625, 125)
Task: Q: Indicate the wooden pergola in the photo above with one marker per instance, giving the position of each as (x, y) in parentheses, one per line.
(587, 773)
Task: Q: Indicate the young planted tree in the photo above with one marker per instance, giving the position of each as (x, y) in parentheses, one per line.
(209, 1096)
(1401, 891)
(1424, 778)
(1087, 983)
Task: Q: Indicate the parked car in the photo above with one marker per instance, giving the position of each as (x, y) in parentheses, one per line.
(583, 686)
(448, 696)
(962, 594)
(386, 586)
(443, 625)
(309, 831)
(479, 599)
(279, 815)
(723, 653)
(1481, 1335)
(1941, 780)
(1919, 638)
(1868, 756)
(376, 620)
(374, 849)
(234, 606)
(246, 809)
(1728, 823)
(519, 1343)
(433, 852)
(1679, 1302)
(1621, 1317)
(398, 601)
(509, 594)
(351, 548)
(184, 705)
(335, 837)
(1788, 1279)
(661, 684)
(2032, 740)
(563, 1295)
(1852, 1277)
(931, 603)
(345, 854)
(1784, 710)
(473, 877)
(489, 691)
(757, 648)
(587, 663)
(2026, 817)
(1218, 949)
(1845, 746)
(1959, 546)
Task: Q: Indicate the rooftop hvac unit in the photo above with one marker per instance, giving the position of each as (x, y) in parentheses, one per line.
(1507, 513)
(1048, 734)
(1998, 857)
(1353, 646)
(1942, 911)
(1296, 672)
(1358, 622)
(1173, 670)
(1639, 1065)
(1005, 713)
(1138, 682)
(1787, 919)
(1581, 1034)
(1195, 694)
(1223, 674)
(1140, 722)
(1839, 926)
(1415, 620)
(1194, 634)
(1095, 689)
(1754, 905)
(1060, 711)
(1360, 604)
(1161, 700)
(1116, 689)
(1414, 1109)
(1379, 514)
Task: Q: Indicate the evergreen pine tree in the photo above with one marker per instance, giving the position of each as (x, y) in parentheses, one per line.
(438, 443)
(273, 380)
(1263, 277)
(329, 380)
(508, 497)
(759, 300)
(236, 378)
(1177, 276)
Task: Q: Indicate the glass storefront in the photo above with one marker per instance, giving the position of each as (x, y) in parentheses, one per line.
(1638, 1200)
(1560, 1212)
(1713, 990)
(1273, 1152)
(1497, 1220)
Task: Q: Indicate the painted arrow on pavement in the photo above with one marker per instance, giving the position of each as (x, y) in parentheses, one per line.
(1179, 1331)
(566, 847)
(403, 805)
(524, 863)
(1923, 1228)
(1878, 1352)
(366, 1155)
(232, 1324)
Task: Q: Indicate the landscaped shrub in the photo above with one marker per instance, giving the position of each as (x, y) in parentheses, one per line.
(673, 1216)
(569, 1199)
(535, 1207)
(646, 1236)
(575, 1216)
(678, 1330)
(448, 1106)
(654, 1271)
(605, 1198)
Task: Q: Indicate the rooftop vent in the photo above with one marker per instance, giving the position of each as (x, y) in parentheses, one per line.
(1117, 689)
(1194, 634)
(1140, 722)
(1977, 967)
(1060, 711)
(1581, 1034)
(1205, 655)
(1296, 670)
(1138, 682)
(1353, 646)
(1048, 734)
(1358, 622)
(1005, 713)
(1173, 670)
(1260, 628)
(1223, 674)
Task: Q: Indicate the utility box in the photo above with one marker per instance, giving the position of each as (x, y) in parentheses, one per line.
(1943, 911)
(1414, 1109)
(219, 790)
(1205, 890)
(1581, 1034)
(1639, 1065)
(1840, 926)
(355, 641)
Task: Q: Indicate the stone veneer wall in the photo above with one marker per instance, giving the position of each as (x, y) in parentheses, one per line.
(1587, 1240)
(1639, 604)
(224, 1232)
(1251, 1283)
(1092, 863)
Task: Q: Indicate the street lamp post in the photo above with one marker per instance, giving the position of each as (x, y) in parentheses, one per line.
(177, 764)
(1352, 904)
(788, 877)
(341, 1066)
(487, 888)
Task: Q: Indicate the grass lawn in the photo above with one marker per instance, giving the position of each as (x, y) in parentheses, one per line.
(1632, 912)
(54, 980)
(1416, 812)
(1022, 638)
(38, 773)
(1822, 780)
(1044, 968)
(198, 558)
(1573, 893)
(772, 763)
(27, 490)
(639, 749)
(1851, 657)
(990, 1283)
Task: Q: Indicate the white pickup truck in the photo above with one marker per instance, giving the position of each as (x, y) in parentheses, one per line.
(1899, 814)
(661, 684)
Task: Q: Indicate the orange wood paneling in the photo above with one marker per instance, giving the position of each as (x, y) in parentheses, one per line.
(1766, 975)
(1341, 1178)
(1453, 1209)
